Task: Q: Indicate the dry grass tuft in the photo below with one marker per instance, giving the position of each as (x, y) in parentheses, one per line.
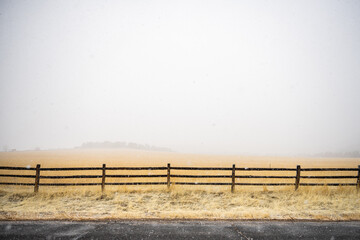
(319, 203)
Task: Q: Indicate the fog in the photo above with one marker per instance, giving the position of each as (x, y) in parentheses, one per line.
(217, 77)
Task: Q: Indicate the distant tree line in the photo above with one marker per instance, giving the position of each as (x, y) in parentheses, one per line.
(129, 145)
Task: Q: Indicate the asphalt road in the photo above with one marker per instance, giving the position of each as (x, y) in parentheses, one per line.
(179, 230)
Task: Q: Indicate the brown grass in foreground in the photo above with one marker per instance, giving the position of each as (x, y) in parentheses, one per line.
(319, 203)
(192, 202)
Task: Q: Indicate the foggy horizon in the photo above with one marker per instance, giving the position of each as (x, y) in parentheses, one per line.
(211, 77)
(107, 145)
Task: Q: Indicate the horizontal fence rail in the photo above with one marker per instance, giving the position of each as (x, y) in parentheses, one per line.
(236, 173)
(16, 168)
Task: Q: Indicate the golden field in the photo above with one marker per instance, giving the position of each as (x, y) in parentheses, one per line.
(193, 202)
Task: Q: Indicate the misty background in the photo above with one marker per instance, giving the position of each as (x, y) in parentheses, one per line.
(224, 77)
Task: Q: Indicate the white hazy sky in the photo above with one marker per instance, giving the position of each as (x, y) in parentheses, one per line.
(226, 77)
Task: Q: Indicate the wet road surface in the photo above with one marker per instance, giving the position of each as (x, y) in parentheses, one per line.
(174, 230)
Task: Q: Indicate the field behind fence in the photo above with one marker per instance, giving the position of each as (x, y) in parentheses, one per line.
(233, 177)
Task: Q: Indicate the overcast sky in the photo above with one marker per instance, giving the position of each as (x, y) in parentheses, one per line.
(225, 77)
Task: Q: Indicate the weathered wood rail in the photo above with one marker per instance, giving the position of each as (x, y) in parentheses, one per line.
(236, 173)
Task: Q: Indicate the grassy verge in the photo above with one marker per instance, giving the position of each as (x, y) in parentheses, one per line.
(312, 203)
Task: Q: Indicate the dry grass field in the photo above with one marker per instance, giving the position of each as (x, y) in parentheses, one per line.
(194, 202)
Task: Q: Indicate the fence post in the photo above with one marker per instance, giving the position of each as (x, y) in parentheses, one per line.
(168, 175)
(233, 179)
(37, 178)
(297, 181)
(358, 179)
(103, 177)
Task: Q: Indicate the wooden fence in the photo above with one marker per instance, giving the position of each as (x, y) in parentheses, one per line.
(236, 173)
